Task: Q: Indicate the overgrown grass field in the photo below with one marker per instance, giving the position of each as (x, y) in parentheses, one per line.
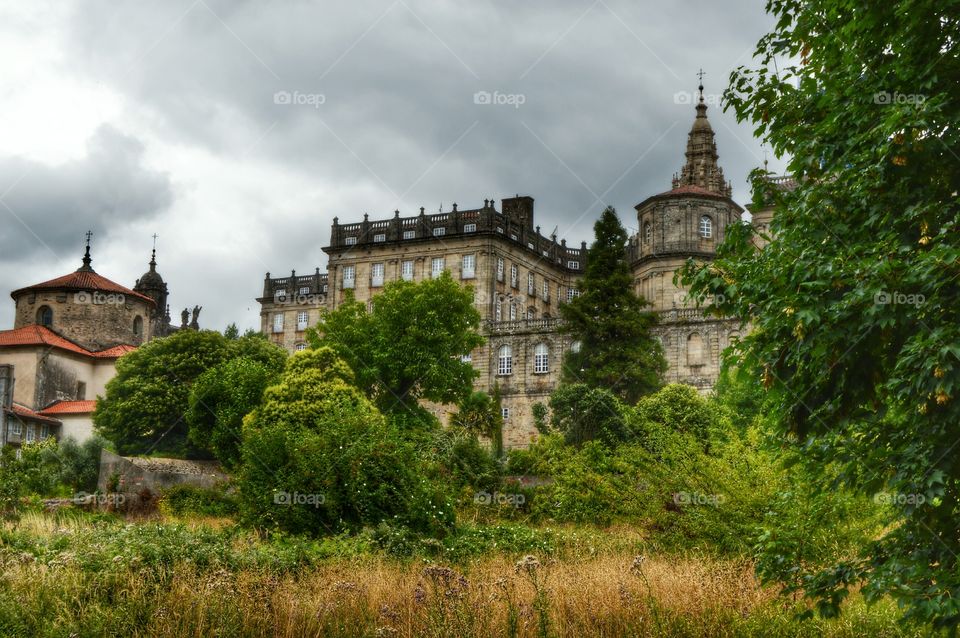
(79, 574)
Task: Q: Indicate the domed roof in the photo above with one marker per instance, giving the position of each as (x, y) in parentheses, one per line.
(151, 279)
(83, 279)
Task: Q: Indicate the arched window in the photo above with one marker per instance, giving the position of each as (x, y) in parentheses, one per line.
(575, 347)
(300, 347)
(695, 350)
(647, 232)
(138, 326)
(541, 359)
(45, 316)
(505, 360)
(531, 313)
(706, 227)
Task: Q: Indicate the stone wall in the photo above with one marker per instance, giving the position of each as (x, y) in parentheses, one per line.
(134, 474)
(95, 321)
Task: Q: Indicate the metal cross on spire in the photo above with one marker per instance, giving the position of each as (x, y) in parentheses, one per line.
(89, 235)
(155, 240)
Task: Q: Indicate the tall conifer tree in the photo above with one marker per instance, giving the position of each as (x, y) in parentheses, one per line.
(617, 351)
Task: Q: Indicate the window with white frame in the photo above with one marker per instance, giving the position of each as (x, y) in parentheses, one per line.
(706, 227)
(500, 230)
(379, 237)
(514, 276)
(302, 320)
(514, 237)
(546, 290)
(469, 228)
(278, 322)
(499, 268)
(467, 358)
(349, 276)
(498, 311)
(406, 271)
(280, 294)
(31, 433)
(573, 265)
(505, 413)
(531, 313)
(575, 347)
(350, 241)
(44, 431)
(571, 293)
(300, 347)
(376, 275)
(440, 231)
(541, 359)
(513, 312)
(436, 266)
(305, 290)
(16, 428)
(505, 360)
(409, 234)
(647, 232)
(531, 285)
(468, 266)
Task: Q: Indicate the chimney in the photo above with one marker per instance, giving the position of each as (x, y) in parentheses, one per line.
(519, 209)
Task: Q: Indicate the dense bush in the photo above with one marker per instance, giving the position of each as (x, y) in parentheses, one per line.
(318, 457)
(183, 500)
(583, 413)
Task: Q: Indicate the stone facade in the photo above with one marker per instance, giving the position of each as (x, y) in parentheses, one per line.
(520, 277)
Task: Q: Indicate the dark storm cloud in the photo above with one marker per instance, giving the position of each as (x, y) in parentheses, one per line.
(48, 207)
(387, 114)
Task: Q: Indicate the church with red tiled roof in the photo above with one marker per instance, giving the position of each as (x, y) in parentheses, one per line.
(67, 336)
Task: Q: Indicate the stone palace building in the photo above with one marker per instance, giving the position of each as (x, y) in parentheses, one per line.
(520, 278)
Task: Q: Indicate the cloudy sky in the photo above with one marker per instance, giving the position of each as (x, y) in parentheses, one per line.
(237, 130)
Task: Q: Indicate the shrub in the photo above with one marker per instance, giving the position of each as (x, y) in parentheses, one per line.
(319, 457)
(183, 500)
(583, 413)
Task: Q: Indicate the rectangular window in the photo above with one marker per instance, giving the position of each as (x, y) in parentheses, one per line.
(498, 312)
(514, 276)
(513, 237)
(467, 358)
(499, 268)
(280, 295)
(571, 293)
(531, 286)
(436, 266)
(409, 234)
(469, 228)
(575, 265)
(468, 267)
(305, 290)
(81, 391)
(349, 276)
(546, 290)
(278, 322)
(499, 230)
(300, 347)
(439, 232)
(44, 431)
(302, 320)
(31, 433)
(505, 413)
(513, 312)
(406, 271)
(350, 241)
(16, 428)
(379, 237)
(376, 275)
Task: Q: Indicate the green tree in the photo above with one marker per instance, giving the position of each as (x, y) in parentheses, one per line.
(617, 351)
(409, 346)
(145, 406)
(855, 305)
(583, 413)
(479, 415)
(220, 398)
(318, 457)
